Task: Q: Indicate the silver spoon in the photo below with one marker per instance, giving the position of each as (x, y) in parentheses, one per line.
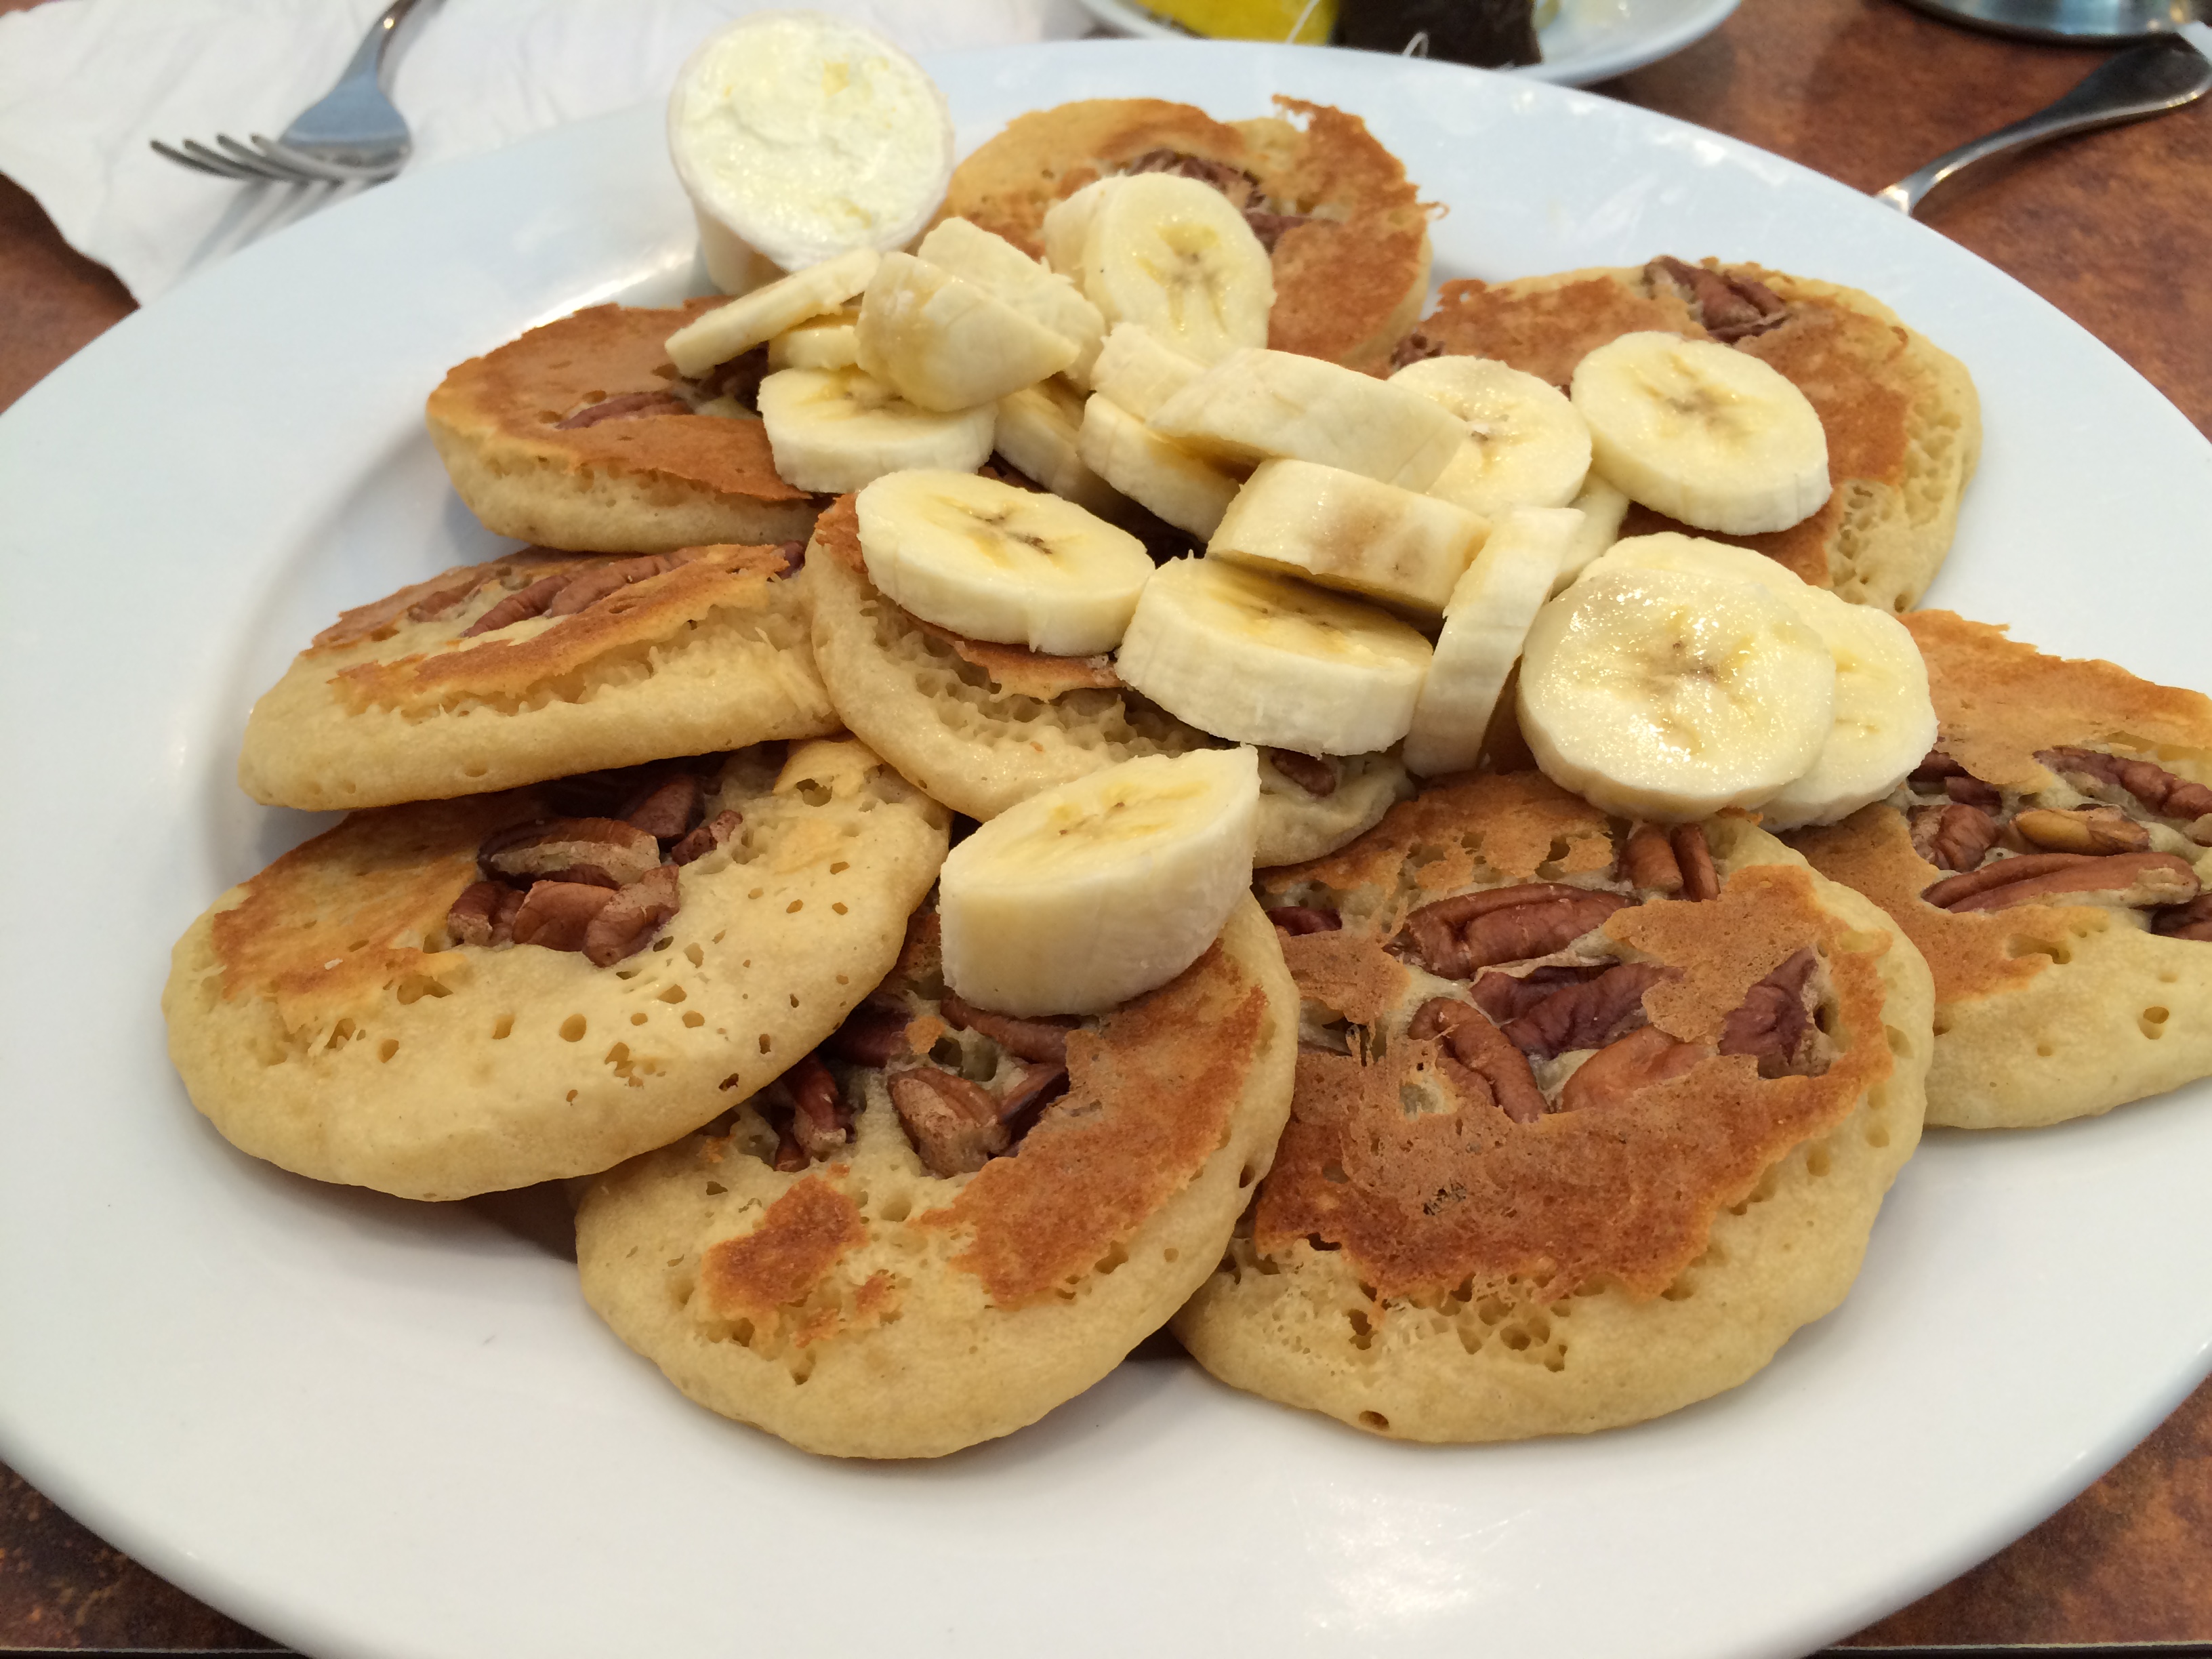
(2163, 73)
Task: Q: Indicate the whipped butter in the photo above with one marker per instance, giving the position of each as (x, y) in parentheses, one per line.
(801, 136)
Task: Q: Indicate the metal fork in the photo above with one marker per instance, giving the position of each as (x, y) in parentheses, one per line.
(352, 133)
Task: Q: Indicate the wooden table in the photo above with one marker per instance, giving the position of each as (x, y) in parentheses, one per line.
(2115, 229)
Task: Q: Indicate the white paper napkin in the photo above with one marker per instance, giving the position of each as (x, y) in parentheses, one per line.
(84, 84)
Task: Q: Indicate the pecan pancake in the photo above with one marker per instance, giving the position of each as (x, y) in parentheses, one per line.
(459, 996)
(859, 1264)
(2048, 859)
(1347, 232)
(1902, 418)
(1586, 1124)
(980, 726)
(580, 434)
(537, 666)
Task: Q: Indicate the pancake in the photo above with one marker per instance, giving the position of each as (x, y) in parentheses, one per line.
(361, 1011)
(1902, 418)
(581, 436)
(898, 1294)
(1348, 233)
(594, 662)
(980, 726)
(1607, 1178)
(2074, 1005)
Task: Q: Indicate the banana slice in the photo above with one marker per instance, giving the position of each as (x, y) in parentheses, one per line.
(1003, 271)
(835, 429)
(1139, 371)
(1067, 226)
(1885, 720)
(1189, 494)
(1658, 694)
(1086, 895)
(829, 340)
(1172, 254)
(996, 563)
(1037, 431)
(729, 331)
(1602, 508)
(1260, 659)
(1343, 530)
(946, 344)
(1486, 620)
(1702, 432)
(1526, 447)
(1259, 406)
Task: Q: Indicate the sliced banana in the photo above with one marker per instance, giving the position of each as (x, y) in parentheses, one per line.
(1037, 430)
(1658, 694)
(829, 340)
(1602, 508)
(1257, 405)
(1173, 254)
(1151, 471)
(1260, 658)
(946, 344)
(1343, 530)
(996, 562)
(729, 330)
(1702, 432)
(1486, 619)
(1094, 891)
(997, 266)
(835, 429)
(1139, 371)
(1885, 720)
(1068, 225)
(1526, 447)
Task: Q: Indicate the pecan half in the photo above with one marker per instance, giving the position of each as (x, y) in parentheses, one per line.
(1489, 1067)
(2160, 790)
(588, 588)
(1934, 767)
(629, 406)
(2190, 921)
(1415, 348)
(1456, 936)
(1311, 773)
(556, 915)
(1647, 862)
(1038, 1087)
(517, 607)
(953, 1123)
(1700, 881)
(706, 838)
(1586, 1016)
(818, 1119)
(1953, 837)
(2087, 830)
(1731, 307)
(627, 922)
(1304, 919)
(1969, 790)
(1505, 996)
(1238, 185)
(1773, 1023)
(528, 852)
(1618, 1071)
(1032, 1039)
(484, 915)
(873, 1034)
(667, 809)
(2137, 878)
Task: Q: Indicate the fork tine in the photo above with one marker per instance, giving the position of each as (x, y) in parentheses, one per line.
(211, 169)
(256, 163)
(320, 167)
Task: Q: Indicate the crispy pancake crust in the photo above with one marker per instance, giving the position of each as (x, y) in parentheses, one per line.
(324, 1017)
(1422, 1265)
(2043, 1012)
(967, 726)
(1348, 283)
(392, 704)
(1903, 420)
(865, 1308)
(646, 485)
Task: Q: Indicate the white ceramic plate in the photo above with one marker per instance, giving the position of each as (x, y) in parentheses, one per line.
(374, 1428)
(1585, 42)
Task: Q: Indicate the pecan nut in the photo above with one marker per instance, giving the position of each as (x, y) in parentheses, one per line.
(1695, 857)
(1490, 1068)
(818, 1119)
(1619, 1071)
(1647, 862)
(556, 849)
(2190, 921)
(667, 809)
(1953, 837)
(1454, 938)
(1311, 773)
(2158, 789)
(1032, 1039)
(484, 915)
(2089, 829)
(1505, 996)
(626, 407)
(873, 1034)
(626, 923)
(952, 1122)
(1731, 307)
(1296, 919)
(1773, 1025)
(556, 915)
(1588, 1015)
(706, 838)
(2134, 878)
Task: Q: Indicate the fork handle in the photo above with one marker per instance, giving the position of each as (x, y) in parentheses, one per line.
(368, 60)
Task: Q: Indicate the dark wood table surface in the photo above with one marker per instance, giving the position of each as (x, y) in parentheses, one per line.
(2115, 229)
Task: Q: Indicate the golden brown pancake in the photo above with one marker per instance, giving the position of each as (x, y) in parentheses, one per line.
(581, 436)
(2073, 796)
(862, 1263)
(458, 996)
(1902, 418)
(1570, 1147)
(1351, 246)
(981, 727)
(535, 666)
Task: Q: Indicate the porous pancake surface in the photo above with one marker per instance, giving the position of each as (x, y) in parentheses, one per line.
(1586, 1212)
(327, 1015)
(862, 1306)
(2068, 1007)
(606, 661)
(980, 726)
(641, 473)
(1351, 236)
(1902, 418)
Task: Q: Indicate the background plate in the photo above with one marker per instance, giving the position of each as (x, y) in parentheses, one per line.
(374, 1428)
